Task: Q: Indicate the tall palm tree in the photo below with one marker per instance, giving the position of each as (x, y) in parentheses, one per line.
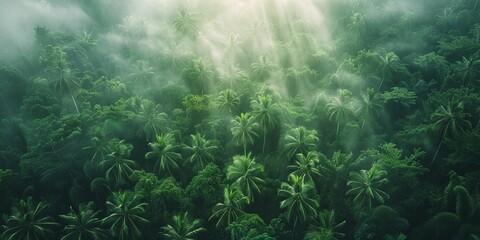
(450, 120)
(197, 75)
(244, 173)
(299, 200)
(228, 101)
(300, 140)
(152, 120)
(365, 186)
(200, 151)
(28, 222)
(389, 65)
(118, 166)
(142, 73)
(261, 69)
(231, 208)
(125, 215)
(325, 227)
(186, 23)
(182, 228)
(243, 131)
(83, 224)
(164, 152)
(468, 68)
(233, 46)
(57, 67)
(306, 166)
(232, 76)
(357, 25)
(340, 108)
(264, 113)
(99, 146)
(369, 106)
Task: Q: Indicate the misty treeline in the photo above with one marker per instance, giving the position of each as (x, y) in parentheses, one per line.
(241, 120)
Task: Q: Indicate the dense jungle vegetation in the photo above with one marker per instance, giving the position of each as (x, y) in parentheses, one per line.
(240, 119)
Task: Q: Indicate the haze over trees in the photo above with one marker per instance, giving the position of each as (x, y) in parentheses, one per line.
(240, 120)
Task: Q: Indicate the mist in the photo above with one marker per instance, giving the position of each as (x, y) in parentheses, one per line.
(218, 114)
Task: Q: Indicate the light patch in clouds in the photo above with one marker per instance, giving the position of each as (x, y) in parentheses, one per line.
(19, 17)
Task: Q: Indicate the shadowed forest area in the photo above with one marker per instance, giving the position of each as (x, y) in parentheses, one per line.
(240, 119)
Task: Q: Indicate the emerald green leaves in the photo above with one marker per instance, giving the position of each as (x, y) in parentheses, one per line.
(365, 186)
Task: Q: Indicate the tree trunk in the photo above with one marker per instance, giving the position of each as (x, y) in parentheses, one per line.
(75, 103)
(264, 137)
(294, 227)
(245, 149)
(436, 152)
(338, 126)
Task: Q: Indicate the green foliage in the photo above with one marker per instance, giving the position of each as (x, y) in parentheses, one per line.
(28, 222)
(182, 228)
(151, 121)
(340, 108)
(228, 101)
(117, 164)
(83, 224)
(164, 153)
(383, 223)
(365, 186)
(306, 167)
(244, 172)
(197, 76)
(206, 186)
(125, 215)
(464, 205)
(300, 140)
(400, 95)
(325, 227)
(299, 199)
(243, 131)
(231, 208)
(200, 151)
(264, 112)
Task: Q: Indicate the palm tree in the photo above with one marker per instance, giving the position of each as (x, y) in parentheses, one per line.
(468, 68)
(228, 101)
(325, 228)
(231, 77)
(263, 113)
(125, 215)
(185, 23)
(368, 106)
(118, 166)
(450, 119)
(262, 69)
(357, 25)
(165, 154)
(233, 46)
(142, 73)
(244, 173)
(231, 208)
(300, 140)
(82, 225)
(389, 65)
(340, 108)
(365, 186)
(174, 58)
(65, 83)
(306, 166)
(200, 150)
(243, 130)
(27, 222)
(152, 121)
(197, 75)
(299, 200)
(99, 144)
(182, 228)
